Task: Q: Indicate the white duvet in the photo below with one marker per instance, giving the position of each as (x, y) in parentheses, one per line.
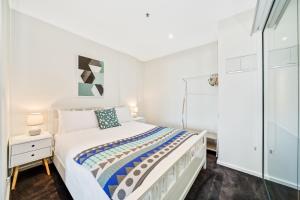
(80, 182)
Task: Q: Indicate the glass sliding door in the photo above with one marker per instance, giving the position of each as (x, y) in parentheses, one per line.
(281, 101)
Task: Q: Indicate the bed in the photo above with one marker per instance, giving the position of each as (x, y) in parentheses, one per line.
(170, 178)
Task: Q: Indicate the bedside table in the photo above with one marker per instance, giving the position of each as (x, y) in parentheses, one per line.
(25, 149)
(139, 119)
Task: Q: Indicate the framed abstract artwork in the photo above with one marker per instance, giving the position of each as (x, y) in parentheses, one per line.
(90, 77)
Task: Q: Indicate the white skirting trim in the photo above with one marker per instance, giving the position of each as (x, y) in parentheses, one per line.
(238, 168)
(282, 182)
(254, 173)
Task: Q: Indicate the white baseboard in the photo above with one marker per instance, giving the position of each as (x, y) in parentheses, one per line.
(282, 182)
(257, 174)
(238, 168)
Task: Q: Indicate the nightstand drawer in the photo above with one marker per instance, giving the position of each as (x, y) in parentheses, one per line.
(31, 156)
(30, 146)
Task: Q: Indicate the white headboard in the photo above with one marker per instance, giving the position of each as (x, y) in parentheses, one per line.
(79, 103)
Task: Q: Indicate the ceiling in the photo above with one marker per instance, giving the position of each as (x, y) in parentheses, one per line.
(123, 25)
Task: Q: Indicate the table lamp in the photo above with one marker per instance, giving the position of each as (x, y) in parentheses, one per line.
(134, 111)
(34, 120)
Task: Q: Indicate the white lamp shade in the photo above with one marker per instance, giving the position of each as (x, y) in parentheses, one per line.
(135, 109)
(35, 119)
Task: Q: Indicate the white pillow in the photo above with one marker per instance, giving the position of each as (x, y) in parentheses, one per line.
(77, 120)
(123, 114)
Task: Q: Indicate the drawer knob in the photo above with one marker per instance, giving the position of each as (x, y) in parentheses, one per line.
(33, 145)
(32, 155)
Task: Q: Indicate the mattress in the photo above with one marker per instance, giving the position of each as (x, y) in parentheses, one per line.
(80, 182)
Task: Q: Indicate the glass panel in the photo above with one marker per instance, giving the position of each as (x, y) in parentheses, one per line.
(281, 78)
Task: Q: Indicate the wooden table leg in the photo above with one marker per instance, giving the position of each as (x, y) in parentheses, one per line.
(15, 177)
(46, 166)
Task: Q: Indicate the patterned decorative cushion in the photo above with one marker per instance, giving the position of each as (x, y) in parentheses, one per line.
(107, 118)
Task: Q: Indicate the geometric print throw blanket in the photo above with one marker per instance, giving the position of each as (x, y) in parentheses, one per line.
(120, 167)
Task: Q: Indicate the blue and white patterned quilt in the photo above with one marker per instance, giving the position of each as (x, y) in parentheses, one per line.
(120, 167)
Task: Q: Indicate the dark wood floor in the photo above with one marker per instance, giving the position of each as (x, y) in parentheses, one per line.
(221, 183)
(214, 183)
(281, 192)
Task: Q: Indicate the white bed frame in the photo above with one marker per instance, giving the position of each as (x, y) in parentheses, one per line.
(174, 181)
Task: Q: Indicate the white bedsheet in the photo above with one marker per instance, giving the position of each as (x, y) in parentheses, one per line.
(80, 182)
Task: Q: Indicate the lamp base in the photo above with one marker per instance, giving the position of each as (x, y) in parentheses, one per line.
(34, 132)
(134, 114)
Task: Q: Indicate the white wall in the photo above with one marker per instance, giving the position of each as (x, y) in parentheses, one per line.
(4, 95)
(44, 70)
(240, 133)
(43, 73)
(164, 88)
